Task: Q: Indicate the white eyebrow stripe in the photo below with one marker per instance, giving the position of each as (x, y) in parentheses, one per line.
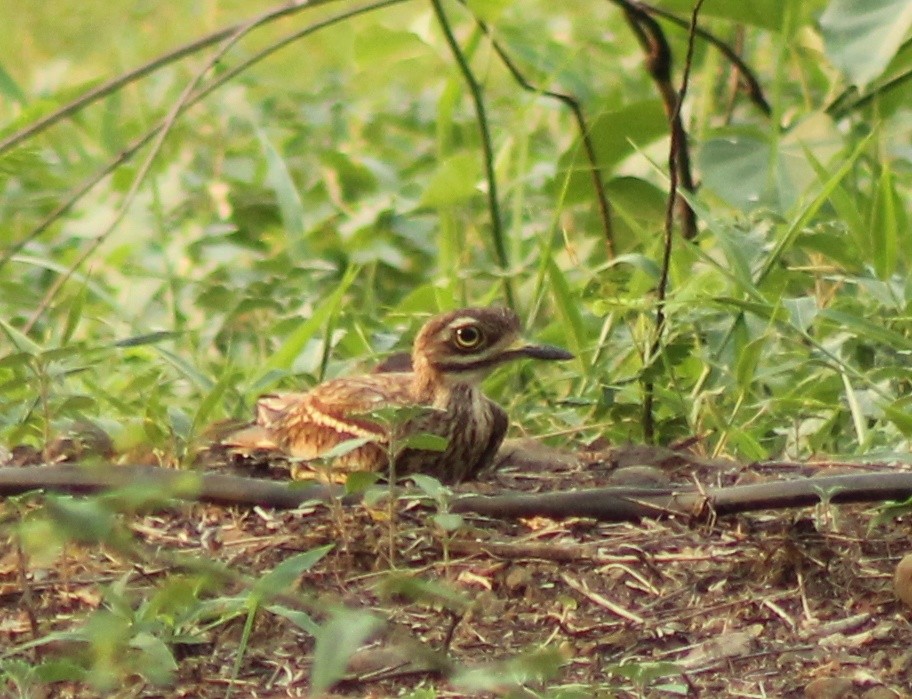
(461, 321)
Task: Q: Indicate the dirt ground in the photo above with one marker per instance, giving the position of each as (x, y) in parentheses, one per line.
(793, 603)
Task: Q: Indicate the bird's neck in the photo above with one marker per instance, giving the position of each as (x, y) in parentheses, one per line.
(434, 387)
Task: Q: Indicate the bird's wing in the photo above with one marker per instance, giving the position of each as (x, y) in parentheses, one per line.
(307, 425)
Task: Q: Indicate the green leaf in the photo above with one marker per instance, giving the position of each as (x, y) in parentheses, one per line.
(615, 134)
(284, 357)
(455, 180)
(802, 311)
(300, 619)
(861, 36)
(152, 338)
(347, 447)
(426, 442)
(748, 359)
(767, 14)
(288, 571)
(290, 206)
(22, 342)
(429, 485)
(74, 315)
(337, 641)
(9, 88)
(377, 45)
(157, 664)
(744, 167)
(448, 521)
(568, 306)
(885, 225)
(360, 481)
(900, 415)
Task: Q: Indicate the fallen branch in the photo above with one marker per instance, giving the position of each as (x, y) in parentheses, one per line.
(611, 504)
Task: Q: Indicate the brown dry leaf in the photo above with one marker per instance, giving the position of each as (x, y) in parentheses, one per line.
(728, 645)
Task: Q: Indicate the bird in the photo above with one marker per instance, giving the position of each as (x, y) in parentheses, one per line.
(431, 417)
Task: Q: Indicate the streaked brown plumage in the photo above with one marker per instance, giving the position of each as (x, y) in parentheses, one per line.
(451, 355)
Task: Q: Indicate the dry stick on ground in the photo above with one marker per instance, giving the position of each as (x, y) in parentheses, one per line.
(610, 504)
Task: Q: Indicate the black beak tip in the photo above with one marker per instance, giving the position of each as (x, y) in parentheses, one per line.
(548, 352)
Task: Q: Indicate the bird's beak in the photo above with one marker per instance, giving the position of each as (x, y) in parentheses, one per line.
(521, 348)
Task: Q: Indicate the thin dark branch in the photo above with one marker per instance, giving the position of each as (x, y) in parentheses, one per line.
(497, 233)
(658, 64)
(841, 105)
(620, 504)
(127, 153)
(588, 146)
(130, 76)
(607, 504)
(749, 80)
(678, 143)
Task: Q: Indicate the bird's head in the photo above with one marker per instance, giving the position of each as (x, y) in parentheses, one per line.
(463, 346)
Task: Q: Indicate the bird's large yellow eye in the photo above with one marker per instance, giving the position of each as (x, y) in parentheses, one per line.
(468, 337)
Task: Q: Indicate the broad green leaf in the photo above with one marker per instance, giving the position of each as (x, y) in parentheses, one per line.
(884, 225)
(377, 45)
(360, 481)
(287, 197)
(802, 311)
(861, 36)
(337, 640)
(347, 447)
(456, 179)
(615, 135)
(489, 10)
(448, 521)
(429, 485)
(741, 165)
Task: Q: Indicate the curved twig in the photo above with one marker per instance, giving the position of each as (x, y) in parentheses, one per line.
(840, 106)
(751, 84)
(120, 81)
(588, 146)
(658, 64)
(676, 169)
